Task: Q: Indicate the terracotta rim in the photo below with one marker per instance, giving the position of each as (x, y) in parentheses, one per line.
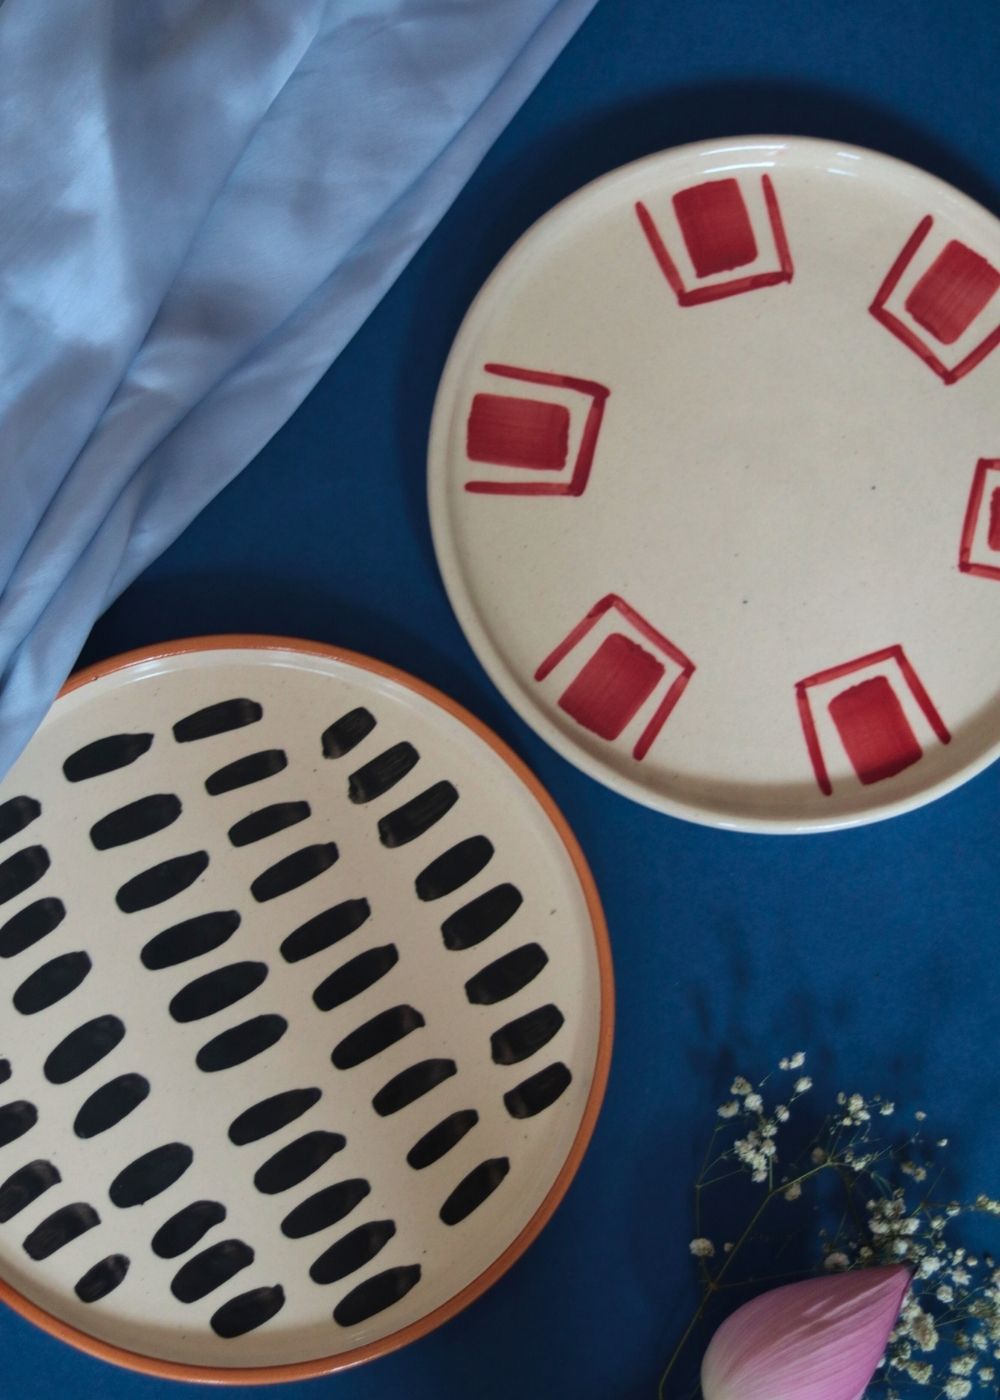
(324, 1365)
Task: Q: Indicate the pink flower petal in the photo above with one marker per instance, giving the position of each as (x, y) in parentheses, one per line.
(817, 1340)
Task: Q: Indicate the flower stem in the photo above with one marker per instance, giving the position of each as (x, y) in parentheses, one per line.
(713, 1285)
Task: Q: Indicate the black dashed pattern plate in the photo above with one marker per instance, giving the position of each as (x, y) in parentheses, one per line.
(308, 1010)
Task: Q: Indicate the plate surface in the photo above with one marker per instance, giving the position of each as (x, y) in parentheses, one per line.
(307, 1011)
(715, 483)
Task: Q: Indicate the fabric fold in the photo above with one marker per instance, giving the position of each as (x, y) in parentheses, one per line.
(348, 161)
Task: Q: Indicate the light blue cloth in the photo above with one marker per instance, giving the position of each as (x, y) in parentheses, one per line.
(200, 202)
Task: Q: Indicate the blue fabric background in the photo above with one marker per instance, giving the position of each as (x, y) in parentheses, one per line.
(874, 950)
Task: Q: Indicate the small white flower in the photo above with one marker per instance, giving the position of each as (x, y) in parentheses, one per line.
(887, 1108)
(818, 1156)
(781, 1113)
(923, 1331)
(754, 1103)
(920, 1115)
(727, 1248)
(702, 1248)
(928, 1265)
(962, 1277)
(793, 1192)
(942, 1142)
(920, 1371)
(944, 1293)
(963, 1365)
(986, 1374)
(937, 1222)
(758, 1176)
(837, 1260)
(785, 1063)
(740, 1086)
(797, 1060)
(729, 1110)
(957, 1389)
(802, 1085)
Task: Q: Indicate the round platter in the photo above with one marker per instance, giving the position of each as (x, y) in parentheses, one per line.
(715, 483)
(308, 1011)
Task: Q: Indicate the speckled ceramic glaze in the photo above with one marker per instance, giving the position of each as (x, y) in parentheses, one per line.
(715, 483)
(306, 1011)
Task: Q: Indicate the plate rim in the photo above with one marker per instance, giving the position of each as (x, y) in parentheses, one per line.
(460, 598)
(326, 1365)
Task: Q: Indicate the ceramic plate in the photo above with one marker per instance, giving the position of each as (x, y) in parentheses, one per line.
(715, 483)
(307, 1011)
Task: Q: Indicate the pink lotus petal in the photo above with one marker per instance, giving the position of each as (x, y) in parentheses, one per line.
(817, 1340)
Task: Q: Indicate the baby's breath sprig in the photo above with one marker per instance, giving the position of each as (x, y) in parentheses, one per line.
(946, 1343)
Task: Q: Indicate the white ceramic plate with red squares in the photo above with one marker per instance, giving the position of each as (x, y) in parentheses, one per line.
(715, 483)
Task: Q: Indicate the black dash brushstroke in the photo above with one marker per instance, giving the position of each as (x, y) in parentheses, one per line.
(481, 917)
(325, 929)
(83, 1048)
(161, 882)
(411, 1084)
(136, 820)
(294, 870)
(219, 718)
(355, 976)
(189, 939)
(241, 1043)
(35, 921)
(347, 732)
(150, 1174)
(51, 982)
(243, 771)
(106, 755)
(474, 1189)
(442, 1138)
(376, 1035)
(271, 1114)
(268, 821)
(406, 823)
(22, 870)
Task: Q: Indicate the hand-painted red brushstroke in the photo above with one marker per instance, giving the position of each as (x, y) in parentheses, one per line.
(660, 642)
(812, 740)
(952, 292)
(577, 480)
(612, 686)
(993, 532)
(712, 245)
(778, 228)
(874, 730)
(904, 333)
(511, 432)
(893, 654)
(716, 227)
(984, 468)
